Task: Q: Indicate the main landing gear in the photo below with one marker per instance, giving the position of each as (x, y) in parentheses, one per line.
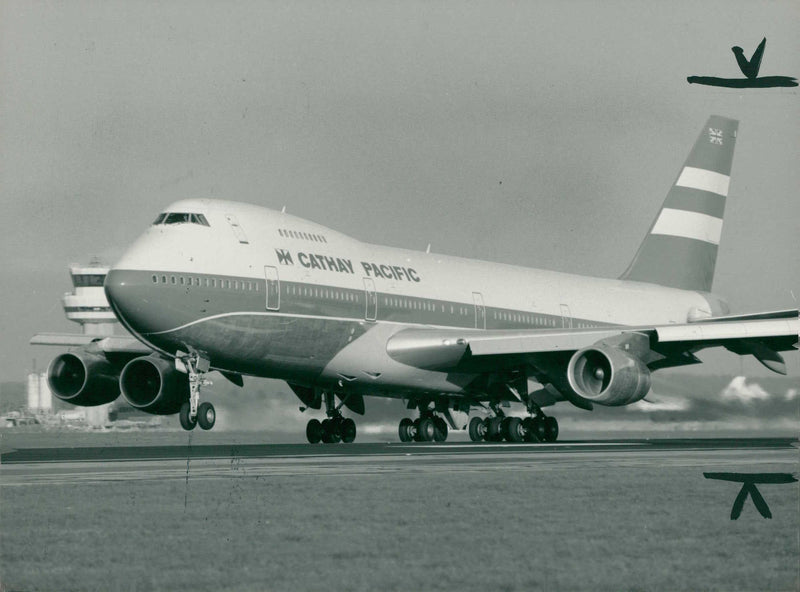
(336, 428)
(537, 428)
(193, 412)
(428, 427)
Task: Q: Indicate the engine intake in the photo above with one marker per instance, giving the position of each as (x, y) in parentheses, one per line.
(84, 379)
(152, 384)
(608, 376)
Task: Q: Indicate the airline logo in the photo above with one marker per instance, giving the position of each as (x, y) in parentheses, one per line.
(715, 136)
(344, 265)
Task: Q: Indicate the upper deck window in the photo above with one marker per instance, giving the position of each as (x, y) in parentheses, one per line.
(181, 218)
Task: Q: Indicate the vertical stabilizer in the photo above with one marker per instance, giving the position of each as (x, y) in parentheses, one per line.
(680, 250)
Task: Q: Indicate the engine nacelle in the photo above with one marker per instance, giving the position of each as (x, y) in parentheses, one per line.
(83, 378)
(608, 376)
(152, 384)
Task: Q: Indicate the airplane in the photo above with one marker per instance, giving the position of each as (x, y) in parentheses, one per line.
(248, 291)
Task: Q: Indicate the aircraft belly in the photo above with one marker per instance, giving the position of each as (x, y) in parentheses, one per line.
(272, 346)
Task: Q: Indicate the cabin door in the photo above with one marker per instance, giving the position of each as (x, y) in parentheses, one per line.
(273, 288)
(566, 317)
(480, 310)
(371, 311)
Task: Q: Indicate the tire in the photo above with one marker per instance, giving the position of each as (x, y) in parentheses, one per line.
(513, 429)
(327, 432)
(206, 416)
(493, 425)
(186, 423)
(405, 430)
(314, 431)
(504, 428)
(537, 429)
(440, 429)
(477, 429)
(427, 430)
(528, 429)
(415, 425)
(550, 429)
(348, 430)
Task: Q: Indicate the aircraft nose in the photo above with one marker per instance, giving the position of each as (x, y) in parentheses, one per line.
(125, 295)
(117, 293)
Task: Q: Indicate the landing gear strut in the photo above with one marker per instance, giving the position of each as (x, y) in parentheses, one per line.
(193, 412)
(336, 428)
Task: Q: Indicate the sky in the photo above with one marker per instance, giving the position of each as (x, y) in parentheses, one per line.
(543, 134)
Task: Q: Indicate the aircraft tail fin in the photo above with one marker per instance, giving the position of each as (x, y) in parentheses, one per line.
(680, 249)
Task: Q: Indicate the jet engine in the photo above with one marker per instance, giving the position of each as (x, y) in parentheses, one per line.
(83, 378)
(152, 384)
(608, 376)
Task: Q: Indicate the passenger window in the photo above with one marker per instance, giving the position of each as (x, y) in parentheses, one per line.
(163, 279)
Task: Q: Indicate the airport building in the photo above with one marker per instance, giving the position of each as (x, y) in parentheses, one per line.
(86, 305)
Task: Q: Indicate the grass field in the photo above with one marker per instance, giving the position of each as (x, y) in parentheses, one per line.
(548, 528)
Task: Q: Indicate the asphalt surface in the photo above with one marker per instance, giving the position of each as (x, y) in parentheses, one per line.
(60, 466)
(467, 449)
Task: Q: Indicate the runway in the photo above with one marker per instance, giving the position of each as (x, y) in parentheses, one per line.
(41, 466)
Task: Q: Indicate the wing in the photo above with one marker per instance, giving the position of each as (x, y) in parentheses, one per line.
(762, 335)
(109, 345)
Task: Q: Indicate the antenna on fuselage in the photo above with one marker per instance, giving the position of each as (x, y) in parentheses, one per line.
(428, 248)
(283, 210)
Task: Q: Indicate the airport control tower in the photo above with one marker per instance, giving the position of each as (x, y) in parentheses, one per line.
(87, 304)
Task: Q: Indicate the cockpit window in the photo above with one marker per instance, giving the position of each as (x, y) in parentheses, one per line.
(175, 218)
(181, 218)
(199, 219)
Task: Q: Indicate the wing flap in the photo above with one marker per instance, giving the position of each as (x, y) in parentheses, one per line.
(715, 331)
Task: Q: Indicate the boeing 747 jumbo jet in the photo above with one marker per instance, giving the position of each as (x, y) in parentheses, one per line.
(248, 291)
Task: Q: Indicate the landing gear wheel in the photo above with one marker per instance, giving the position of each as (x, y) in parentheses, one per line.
(427, 430)
(477, 429)
(314, 431)
(186, 422)
(529, 430)
(440, 429)
(406, 430)
(206, 416)
(537, 429)
(550, 429)
(329, 432)
(417, 433)
(348, 430)
(513, 431)
(493, 429)
(504, 428)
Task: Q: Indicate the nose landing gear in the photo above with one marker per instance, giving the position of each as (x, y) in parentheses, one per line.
(193, 412)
